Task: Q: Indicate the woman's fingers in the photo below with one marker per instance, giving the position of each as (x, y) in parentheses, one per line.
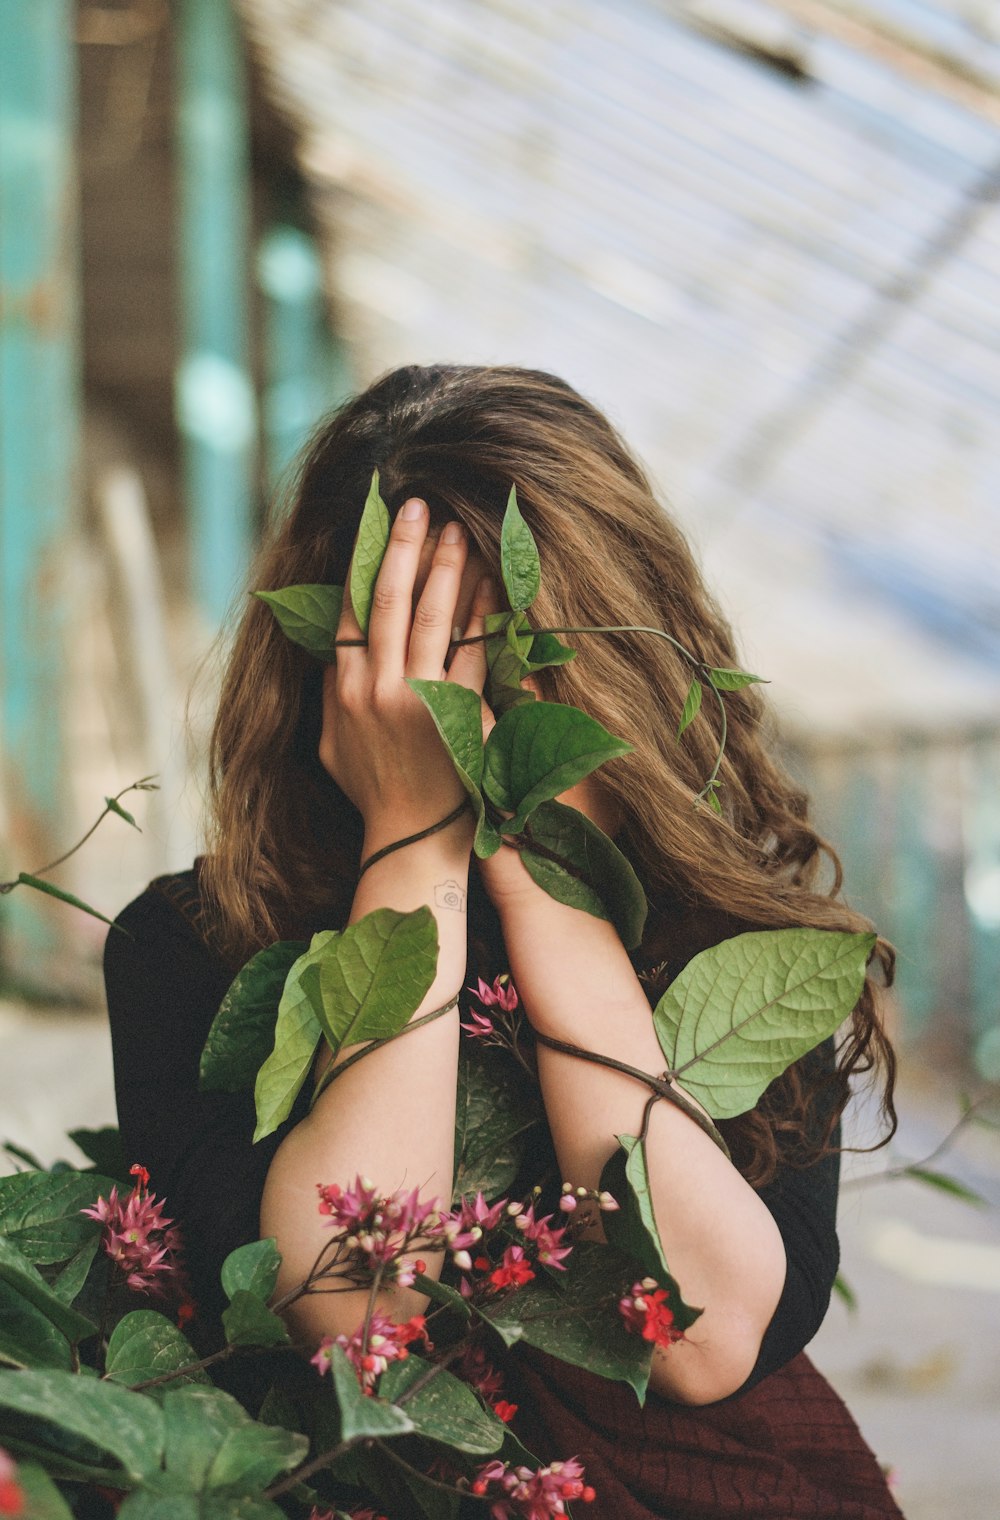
(392, 602)
(468, 664)
(434, 614)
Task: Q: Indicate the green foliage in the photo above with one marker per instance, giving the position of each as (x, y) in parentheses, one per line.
(497, 1116)
(104, 1148)
(633, 1229)
(249, 1322)
(242, 1032)
(361, 1414)
(47, 887)
(445, 1410)
(375, 975)
(252, 1268)
(308, 615)
(539, 750)
(18, 1273)
(297, 1032)
(28, 1338)
(40, 1213)
(115, 1421)
(741, 1012)
(591, 872)
(457, 715)
(373, 536)
(519, 563)
(943, 1183)
(724, 679)
(507, 659)
(145, 1345)
(692, 705)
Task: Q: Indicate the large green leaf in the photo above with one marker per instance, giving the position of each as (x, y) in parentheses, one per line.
(577, 1319)
(519, 563)
(112, 1419)
(211, 1441)
(507, 659)
(27, 1337)
(104, 1148)
(633, 1229)
(74, 1274)
(249, 1322)
(40, 885)
(242, 1032)
(539, 750)
(362, 1414)
(308, 615)
(596, 876)
(497, 1114)
(297, 1032)
(252, 1268)
(373, 536)
(376, 975)
(40, 1213)
(18, 1273)
(741, 1012)
(457, 714)
(548, 650)
(145, 1345)
(167, 1496)
(725, 679)
(446, 1410)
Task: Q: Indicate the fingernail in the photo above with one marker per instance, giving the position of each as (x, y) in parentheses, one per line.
(412, 509)
(452, 533)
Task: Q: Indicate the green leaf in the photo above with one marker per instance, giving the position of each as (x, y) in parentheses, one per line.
(712, 797)
(733, 680)
(297, 1032)
(945, 1184)
(74, 1274)
(741, 1012)
(104, 1148)
(145, 1345)
(599, 880)
(242, 1032)
(539, 750)
(43, 1499)
(546, 650)
(446, 1410)
(362, 1414)
(67, 897)
(40, 1213)
(213, 1443)
(506, 659)
(692, 703)
(519, 563)
(496, 1116)
(309, 616)
(110, 1418)
(18, 1273)
(168, 1497)
(577, 1319)
(28, 1338)
(373, 536)
(845, 1292)
(252, 1268)
(18, 1153)
(114, 806)
(440, 1293)
(632, 1228)
(376, 975)
(249, 1322)
(457, 714)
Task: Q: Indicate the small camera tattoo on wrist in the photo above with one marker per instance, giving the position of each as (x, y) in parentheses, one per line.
(448, 894)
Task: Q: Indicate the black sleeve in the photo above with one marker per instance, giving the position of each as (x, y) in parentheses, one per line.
(803, 1202)
(164, 987)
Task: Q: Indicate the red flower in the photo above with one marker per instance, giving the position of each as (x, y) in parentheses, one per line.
(12, 1499)
(504, 1411)
(513, 1270)
(645, 1310)
(387, 1342)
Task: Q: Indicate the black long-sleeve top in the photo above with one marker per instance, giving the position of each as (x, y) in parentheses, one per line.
(164, 986)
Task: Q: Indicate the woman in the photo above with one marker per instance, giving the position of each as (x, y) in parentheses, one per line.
(316, 771)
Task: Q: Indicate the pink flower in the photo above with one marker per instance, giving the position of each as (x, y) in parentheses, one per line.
(12, 1500)
(502, 994)
(387, 1342)
(143, 1243)
(533, 1495)
(381, 1226)
(481, 1024)
(479, 1372)
(545, 1240)
(645, 1311)
(513, 1271)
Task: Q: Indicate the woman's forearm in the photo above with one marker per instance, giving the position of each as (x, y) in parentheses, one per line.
(391, 1117)
(577, 984)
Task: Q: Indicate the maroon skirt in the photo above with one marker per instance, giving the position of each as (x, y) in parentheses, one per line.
(787, 1450)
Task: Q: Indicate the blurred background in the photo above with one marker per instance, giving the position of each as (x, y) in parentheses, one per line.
(764, 236)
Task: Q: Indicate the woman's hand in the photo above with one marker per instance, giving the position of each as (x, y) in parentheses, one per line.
(379, 742)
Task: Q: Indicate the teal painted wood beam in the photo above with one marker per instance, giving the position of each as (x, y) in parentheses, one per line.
(39, 427)
(216, 408)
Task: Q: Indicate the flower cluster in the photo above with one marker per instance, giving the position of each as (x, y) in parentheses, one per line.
(535, 1495)
(645, 1311)
(12, 1499)
(370, 1354)
(141, 1241)
(498, 1263)
(498, 1022)
(381, 1228)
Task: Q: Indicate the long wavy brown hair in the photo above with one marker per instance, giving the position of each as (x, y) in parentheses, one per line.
(284, 844)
